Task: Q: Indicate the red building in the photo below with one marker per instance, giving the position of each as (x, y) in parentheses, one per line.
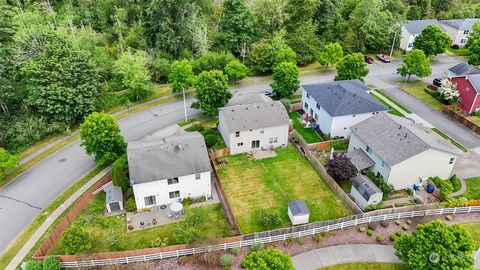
(469, 88)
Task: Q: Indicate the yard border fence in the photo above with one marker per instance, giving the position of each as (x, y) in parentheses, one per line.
(447, 110)
(232, 242)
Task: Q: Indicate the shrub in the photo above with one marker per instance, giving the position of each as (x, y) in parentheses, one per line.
(267, 259)
(130, 205)
(212, 61)
(455, 46)
(257, 246)
(456, 184)
(226, 260)
(381, 184)
(393, 237)
(449, 217)
(159, 242)
(129, 192)
(269, 220)
(300, 241)
(51, 263)
(372, 225)
(33, 265)
(75, 240)
(445, 186)
(477, 113)
(361, 229)
(196, 127)
(405, 227)
(286, 103)
(317, 237)
(384, 223)
(399, 233)
(159, 69)
(409, 221)
(432, 87)
(339, 145)
(409, 191)
(370, 232)
(398, 222)
(236, 70)
(211, 140)
(380, 238)
(235, 250)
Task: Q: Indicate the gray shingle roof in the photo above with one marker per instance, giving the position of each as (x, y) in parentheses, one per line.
(360, 159)
(113, 194)
(463, 68)
(365, 186)
(475, 81)
(255, 116)
(344, 97)
(416, 26)
(172, 156)
(395, 139)
(298, 208)
(460, 24)
(248, 99)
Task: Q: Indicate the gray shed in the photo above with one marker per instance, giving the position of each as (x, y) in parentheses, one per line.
(114, 199)
(365, 192)
(298, 212)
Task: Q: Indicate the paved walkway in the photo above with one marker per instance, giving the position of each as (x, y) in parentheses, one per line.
(18, 259)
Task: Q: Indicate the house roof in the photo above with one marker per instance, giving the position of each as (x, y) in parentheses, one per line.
(344, 97)
(463, 68)
(113, 194)
(248, 99)
(395, 139)
(171, 156)
(460, 24)
(298, 208)
(475, 81)
(360, 159)
(416, 26)
(365, 186)
(255, 116)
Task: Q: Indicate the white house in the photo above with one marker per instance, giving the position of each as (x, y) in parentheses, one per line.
(365, 192)
(400, 152)
(411, 29)
(336, 106)
(169, 169)
(458, 30)
(298, 212)
(246, 126)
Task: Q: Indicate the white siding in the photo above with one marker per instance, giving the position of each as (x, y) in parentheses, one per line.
(263, 135)
(341, 124)
(299, 219)
(187, 185)
(356, 143)
(407, 38)
(456, 35)
(222, 127)
(360, 200)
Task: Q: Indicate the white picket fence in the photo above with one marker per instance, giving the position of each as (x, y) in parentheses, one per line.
(270, 239)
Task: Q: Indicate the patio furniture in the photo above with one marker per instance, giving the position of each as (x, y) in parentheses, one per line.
(176, 209)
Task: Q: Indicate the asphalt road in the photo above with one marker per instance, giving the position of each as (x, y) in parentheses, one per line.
(23, 199)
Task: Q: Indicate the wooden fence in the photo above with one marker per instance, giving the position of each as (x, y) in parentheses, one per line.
(461, 119)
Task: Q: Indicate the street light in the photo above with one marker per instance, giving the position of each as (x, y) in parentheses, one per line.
(184, 101)
(393, 28)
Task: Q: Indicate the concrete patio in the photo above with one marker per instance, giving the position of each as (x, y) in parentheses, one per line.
(261, 154)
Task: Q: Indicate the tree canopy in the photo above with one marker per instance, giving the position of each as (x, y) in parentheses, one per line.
(238, 25)
(415, 63)
(133, 75)
(331, 54)
(181, 75)
(473, 45)
(432, 40)
(285, 79)
(267, 259)
(7, 162)
(211, 91)
(351, 66)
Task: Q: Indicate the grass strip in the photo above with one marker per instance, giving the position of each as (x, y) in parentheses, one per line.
(405, 109)
(392, 109)
(445, 136)
(308, 134)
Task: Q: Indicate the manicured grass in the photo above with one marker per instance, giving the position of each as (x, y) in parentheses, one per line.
(445, 136)
(367, 266)
(418, 90)
(191, 120)
(110, 233)
(18, 243)
(458, 52)
(308, 134)
(405, 109)
(392, 109)
(474, 229)
(473, 188)
(269, 184)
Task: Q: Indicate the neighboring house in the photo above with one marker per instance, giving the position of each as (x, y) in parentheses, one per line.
(403, 153)
(458, 30)
(462, 69)
(169, 169)
(468, 87)
(253, 122)
(365, 192)
(298, 212)
(411, 29)
(336, 106)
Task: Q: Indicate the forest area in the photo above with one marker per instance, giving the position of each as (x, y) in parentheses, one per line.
(61, 60)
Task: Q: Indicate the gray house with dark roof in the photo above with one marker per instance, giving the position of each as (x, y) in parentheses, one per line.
(458, 30)
(365, 192)
(336, 106)
(403, 153)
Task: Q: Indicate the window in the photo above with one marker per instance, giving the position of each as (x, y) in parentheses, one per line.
(459, 99)
(306, 105)
(452, 160)
(466, 32)
(174, 194)
(172, 181)
(311, 112)
(354, 115)
(383, 163)
(316, 116)
(237, 133)
(369, 150)
(379, 175)
(262, 131)
(463, 41)
(410, 45)
(318, 106)
(275, 139)
(308, 95)
(270, 140)
(198, 176)
(240, 144)
(478, 108)
(150, 200)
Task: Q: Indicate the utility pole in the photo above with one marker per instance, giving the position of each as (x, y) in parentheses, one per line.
(184, 101)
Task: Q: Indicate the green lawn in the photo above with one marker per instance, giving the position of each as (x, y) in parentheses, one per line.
(473, 188)
(367, 266)
(392, 109)
(269, 184)
(458, 52)
(445, 136)
(474, 229)
(418, 90)
(110, 233)
(405, 109)
(308, 134)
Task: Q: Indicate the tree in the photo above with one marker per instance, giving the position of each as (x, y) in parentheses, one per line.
(436, 245)
(262, 58)
(448, 91)
(441, 5)
(351, 66)
(340, 167)
(133, 75)
(415, 63)
(212, 91)
(432, 40)
(304, 42)
(181, 75)
(119, 168)
(267, 259)
(269, 15)
(100, 135)
(51, 263)
(75, 240)
(236, 70)
(285, 55)
(238, 25)
(7, 162)
(285, 79)
(473, 45)
(298, 13)
(159, 69)
(331, 54)
(327, 18)
(8, 25)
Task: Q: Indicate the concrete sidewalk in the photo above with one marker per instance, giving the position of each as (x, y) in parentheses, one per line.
(315, 259)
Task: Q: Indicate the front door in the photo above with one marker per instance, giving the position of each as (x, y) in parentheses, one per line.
(256, 144)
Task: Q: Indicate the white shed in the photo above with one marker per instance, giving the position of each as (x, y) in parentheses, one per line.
(298, 212)
(365, 192)
(114, 199)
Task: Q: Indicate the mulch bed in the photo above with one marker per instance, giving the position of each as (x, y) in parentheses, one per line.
(350, 235)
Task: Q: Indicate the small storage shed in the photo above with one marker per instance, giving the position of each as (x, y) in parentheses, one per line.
(114, 199)
(365, 192)
(298, 212)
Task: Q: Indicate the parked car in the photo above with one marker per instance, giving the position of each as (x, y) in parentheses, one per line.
(368, 59)
(268, 94)
(437, 82)
(384, 58)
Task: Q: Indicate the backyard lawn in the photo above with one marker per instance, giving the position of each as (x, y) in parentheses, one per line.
(253, 186)
(110, 233)
(418, 90)
(473, 188)
(308, 134)
(474, 229)
(367, 266)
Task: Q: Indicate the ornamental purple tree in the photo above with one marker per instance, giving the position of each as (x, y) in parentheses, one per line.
(340, 167)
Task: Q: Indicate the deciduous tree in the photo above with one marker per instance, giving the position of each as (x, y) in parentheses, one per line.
(235, 70)
(238, 25)
(285, 79)
(415, 63)
(331, 54)
(270, 16)
(305, 42)
(351, 66)
(448, 91)
(432, 40)
(286, 55)
(76, 240)
(181, 75)
(211, 91)
(133, 75)
(262, 58)
(7, 162)
(473, 45)
(340, 167)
